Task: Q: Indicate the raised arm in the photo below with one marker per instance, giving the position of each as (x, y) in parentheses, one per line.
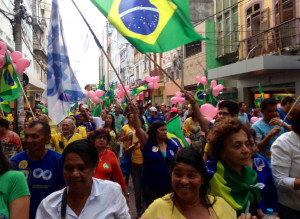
(203, 122)
(140, 133)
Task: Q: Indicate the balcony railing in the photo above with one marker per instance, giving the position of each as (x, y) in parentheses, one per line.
(273, 39)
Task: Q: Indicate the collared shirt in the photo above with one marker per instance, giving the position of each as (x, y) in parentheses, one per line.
(105, 201)
(286, 168)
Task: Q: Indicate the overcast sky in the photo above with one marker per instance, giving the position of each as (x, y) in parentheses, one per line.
(83, 52)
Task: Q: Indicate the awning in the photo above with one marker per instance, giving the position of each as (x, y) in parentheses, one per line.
(255, 66)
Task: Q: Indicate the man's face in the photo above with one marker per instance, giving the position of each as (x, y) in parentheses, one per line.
(117, 109)
(152, 113)
(224, 113)
(103, 114)
(163, 108)
(38, 112)
(35, 138)
(243, 107)
(270, 112)
(67, 127)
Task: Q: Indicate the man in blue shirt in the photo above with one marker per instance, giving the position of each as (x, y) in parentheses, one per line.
(242, 116)
(42, 167)
(153, 115)
(119, 119)
(268, 129)
(286, 105)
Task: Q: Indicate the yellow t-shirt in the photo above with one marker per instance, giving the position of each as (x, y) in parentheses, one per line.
(56, 138)
(82, 131)
(137, 156)
(164, 208)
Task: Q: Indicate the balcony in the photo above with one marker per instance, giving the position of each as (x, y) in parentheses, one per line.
(285, 35)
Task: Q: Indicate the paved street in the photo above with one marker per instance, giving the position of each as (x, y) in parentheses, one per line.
(132, 209)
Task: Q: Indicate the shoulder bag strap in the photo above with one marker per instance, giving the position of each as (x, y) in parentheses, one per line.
(64, 204)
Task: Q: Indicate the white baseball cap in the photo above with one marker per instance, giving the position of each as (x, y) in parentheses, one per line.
(153, 109)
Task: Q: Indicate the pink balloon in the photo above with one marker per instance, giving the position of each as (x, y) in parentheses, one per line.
(178, 94)
(127, 87)
(208, 118)
(188, 141)
(119, 102)
(2, 48)
(148, 78)
(208, 110)
(278, 105)
(120, 87)
(155, 85)
(174, 100)
(213, 83)
(254, 119)
(203, 80)
(91, 94)
(99, 93)
(216, 91)
(128, 92)
(151, 86)
(96, 100)
(2, 61)
(15, 56)
(156, 79)
(198, 78)
(22, 64)
(15, 67)
(220, 87)
(181, 100)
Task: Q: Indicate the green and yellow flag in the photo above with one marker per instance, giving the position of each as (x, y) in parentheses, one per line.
(150, 24)
(43, 108)
(9, 85)
(175, 132)
(261, 97)
(138, 90)
(199, 95)
(102, 83)
(4, 105)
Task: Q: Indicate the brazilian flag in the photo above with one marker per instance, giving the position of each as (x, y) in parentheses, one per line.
(175, 132)
(102, 83)
(199, 95)
(138, 90)
(9, 85)
(109, 96)
(44, 109)
(150, 24)
(261, 97)
(4, 105)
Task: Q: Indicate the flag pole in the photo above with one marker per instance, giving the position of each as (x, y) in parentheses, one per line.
(1, 109)
(297, 100)
(165, 73)
(101, 48)
(26, 98)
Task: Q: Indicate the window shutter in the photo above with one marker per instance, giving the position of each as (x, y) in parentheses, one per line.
(264, 22)
(288, 11)
(277, 13)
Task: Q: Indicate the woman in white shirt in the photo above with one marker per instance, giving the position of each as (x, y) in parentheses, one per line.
(85, 196)
(285, 162)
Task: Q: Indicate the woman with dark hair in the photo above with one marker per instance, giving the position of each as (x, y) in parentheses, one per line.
(108, 163)
(84, 122)
(285, 168)
(231, 177)
(15, 196)
(85, 196)
(110, 125)
(158, 152)
(190, 199)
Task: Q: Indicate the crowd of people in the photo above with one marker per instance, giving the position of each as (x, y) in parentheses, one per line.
(235, 167)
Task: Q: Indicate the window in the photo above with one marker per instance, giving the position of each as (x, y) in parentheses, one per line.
(227, 23)
(193, 48)
(177, 74)
(219, 21)
(172, 74)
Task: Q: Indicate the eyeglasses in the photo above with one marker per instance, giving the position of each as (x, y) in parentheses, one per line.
(223, 114)
(102, 137)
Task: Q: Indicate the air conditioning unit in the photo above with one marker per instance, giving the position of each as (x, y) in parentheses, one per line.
(38, 97)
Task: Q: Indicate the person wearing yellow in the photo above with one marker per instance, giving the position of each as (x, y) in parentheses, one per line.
(80, 130)
(192, 130)
(131, 145)
(61, 140)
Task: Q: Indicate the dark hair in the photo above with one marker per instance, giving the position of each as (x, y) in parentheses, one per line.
(192, 157)
(295, 119)
(113, 126)
(86, 86)
(232, 107)
(45, 126)
(153, 130)
(4, 123)
(76, 121)
(128, 115)
(286, 100)
(85, 149)
(221, 131)
(5, 165)
(241, 103)
(84, 116)
(101, 131)
(268, 101)
(253, 133)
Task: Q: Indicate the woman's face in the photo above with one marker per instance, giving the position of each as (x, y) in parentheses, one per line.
(81, 118)
(101, 142)
(130, 118)
(108, 119)
(236, 151)
(179, 111)
(187, 182)
(77, 173)
(162, 132)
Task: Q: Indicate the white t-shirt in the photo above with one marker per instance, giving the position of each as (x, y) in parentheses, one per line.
(105, 201)
(99, 122)
(285, 161)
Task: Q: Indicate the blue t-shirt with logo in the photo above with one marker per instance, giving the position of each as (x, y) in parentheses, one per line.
(155, 173)
(43, 177)
(262, 129)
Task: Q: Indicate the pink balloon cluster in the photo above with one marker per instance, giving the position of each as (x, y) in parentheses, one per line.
(208, 111)
(216, 87)
(202, 80)
(95, 96)
(254, 119)
(121, 92)
(178, 98)
(19, 63)
(153, 82)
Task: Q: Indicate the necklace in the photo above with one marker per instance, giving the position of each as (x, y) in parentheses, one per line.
(101, 155)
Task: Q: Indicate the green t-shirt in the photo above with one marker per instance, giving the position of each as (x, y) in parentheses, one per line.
(13, 185)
